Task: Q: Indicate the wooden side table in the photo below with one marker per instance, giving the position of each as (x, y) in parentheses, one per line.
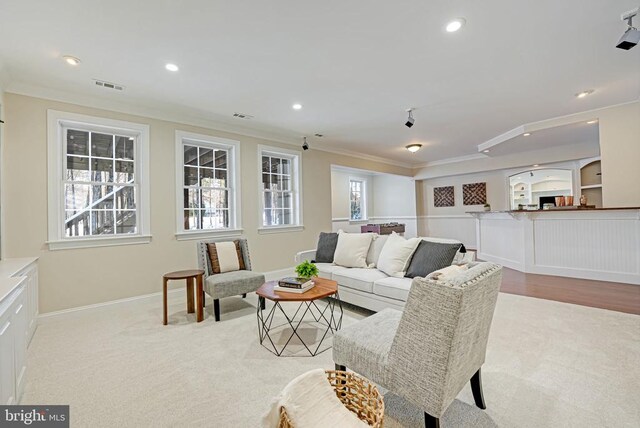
(191, 276)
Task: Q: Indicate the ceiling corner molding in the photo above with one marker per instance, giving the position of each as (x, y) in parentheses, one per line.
(452, 160)
(293, 139)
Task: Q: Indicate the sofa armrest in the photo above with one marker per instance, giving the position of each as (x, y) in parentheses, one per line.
(307, 255)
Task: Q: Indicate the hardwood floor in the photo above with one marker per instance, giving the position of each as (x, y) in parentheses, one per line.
(598, 294)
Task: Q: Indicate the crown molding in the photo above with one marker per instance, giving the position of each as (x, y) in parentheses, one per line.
(278, 136)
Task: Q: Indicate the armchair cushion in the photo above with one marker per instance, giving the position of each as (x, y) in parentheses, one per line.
(365, 346)
(233, 283)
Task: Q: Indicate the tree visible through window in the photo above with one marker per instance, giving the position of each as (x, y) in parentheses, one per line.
(357, 199)
(100, 187)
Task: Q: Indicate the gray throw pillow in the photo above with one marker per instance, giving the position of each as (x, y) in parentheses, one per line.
(326, 247)
(431, 256)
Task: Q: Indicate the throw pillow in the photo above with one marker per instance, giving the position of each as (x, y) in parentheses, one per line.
(431, 256)
(352, 249)
(225, 256)
(375, 249)
(447, 273)
(326, 247)
(395, 255)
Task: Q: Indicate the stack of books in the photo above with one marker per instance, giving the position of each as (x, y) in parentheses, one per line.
(294, 285)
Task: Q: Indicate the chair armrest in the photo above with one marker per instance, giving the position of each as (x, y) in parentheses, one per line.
(306, 255)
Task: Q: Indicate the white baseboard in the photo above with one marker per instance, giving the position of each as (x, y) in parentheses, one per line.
(269, 276)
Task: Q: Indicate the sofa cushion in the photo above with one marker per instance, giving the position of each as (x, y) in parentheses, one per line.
(396, 254)
(326, 247)
(352, 249)
(357, 278)
(431, 256)
(393, 288)
(325, 270)
(375, 249)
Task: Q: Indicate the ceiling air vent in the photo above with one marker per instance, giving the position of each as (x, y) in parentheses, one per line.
(242, 116)
(108, 85)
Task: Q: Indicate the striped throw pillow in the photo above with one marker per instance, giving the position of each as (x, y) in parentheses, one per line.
(225, 256)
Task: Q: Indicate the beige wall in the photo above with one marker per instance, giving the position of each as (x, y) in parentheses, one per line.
(340, 201)
(620, 152)
(71, 278)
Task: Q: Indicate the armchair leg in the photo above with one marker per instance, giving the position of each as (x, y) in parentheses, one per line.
(244, 295)
(341, 368)
(476, 388)
(216, 309)
(203, 296)
(430, 421)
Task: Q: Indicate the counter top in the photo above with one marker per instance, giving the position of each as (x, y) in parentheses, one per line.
(8, 268)
(572, 210)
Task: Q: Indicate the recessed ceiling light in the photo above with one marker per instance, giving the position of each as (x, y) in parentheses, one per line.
(296, 106)
(485, 151)
(171, 67)
(71, 60)
(591, 122)
(455, 25)
(584, 93)
(526, 134)
(414, 147)
(536, 165)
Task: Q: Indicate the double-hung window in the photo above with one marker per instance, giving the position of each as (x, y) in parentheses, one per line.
(98, 181)
(280, 183)
(207, 186)
(358, 200)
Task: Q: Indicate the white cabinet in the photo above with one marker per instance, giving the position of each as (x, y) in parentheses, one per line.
(12, 347)
(30, 298)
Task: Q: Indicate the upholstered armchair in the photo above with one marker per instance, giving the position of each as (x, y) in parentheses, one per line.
(234, 283)
(428, 352)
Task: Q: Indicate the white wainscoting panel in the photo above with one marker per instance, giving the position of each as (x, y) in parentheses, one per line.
(501, 240)
(460, 227)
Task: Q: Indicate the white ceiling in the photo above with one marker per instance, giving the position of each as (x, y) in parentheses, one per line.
(355, 66)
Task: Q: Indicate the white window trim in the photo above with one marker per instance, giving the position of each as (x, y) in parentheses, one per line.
(365, 217)
(296, 158)
(233, 147)
(56, 120)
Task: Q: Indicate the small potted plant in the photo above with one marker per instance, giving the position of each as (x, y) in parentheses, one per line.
(306, 270)
(487, 207)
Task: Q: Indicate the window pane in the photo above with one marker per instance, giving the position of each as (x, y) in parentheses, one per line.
(221, 178)
(287, 200)
(206, 157)
(102, 222)
(286, 166)
(126, 222)
(191, 198)
(99, 193)
(265, 181)
(124, 148)
(124, 172)
(77, 169)
(190, 155)
(269, 200)
(191, 219)
(76, 196)
(221, 159)
(206, 177)
(266, 164)
(286, 218)
(275, 165)
(101, 145)
(77, 223)
(220, 198)
(282, 182)
(102, 170)
(77, 142)
(125, 198)
(190, 176)
(105, 203)
(215, 219)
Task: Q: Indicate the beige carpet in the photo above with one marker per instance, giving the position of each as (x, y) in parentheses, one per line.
(548, 364)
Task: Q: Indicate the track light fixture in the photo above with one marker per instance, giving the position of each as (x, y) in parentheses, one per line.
(305, 145)
(410, 120)
(631, 36)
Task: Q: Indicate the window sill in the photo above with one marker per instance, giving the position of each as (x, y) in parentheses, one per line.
(280, 229)
(68, 244)
(204, 234)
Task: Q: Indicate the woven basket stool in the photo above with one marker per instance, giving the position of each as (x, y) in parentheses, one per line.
(356, 393)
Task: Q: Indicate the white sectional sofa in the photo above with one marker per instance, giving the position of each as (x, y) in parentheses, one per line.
(368, 287)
